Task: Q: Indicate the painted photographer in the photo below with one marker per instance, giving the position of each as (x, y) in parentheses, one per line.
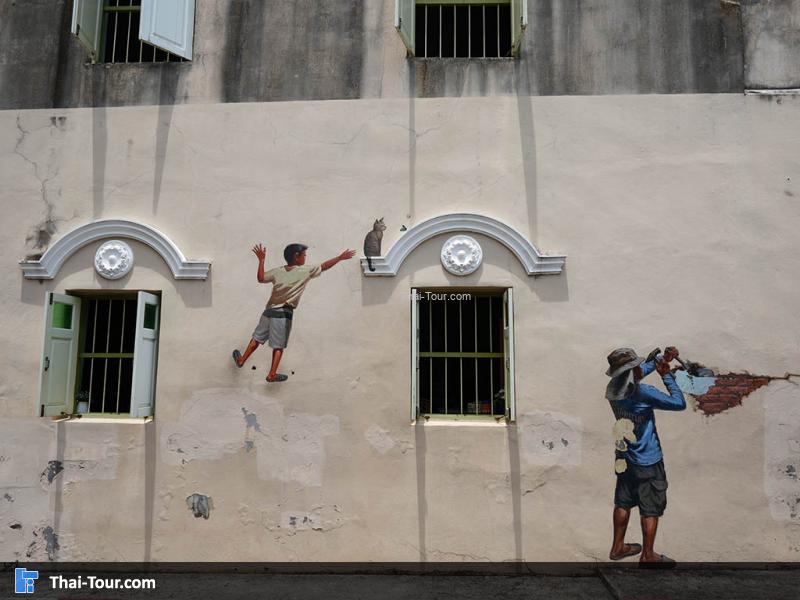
(639, 465)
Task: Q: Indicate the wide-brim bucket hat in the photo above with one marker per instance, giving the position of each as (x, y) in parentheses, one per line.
(621, 360)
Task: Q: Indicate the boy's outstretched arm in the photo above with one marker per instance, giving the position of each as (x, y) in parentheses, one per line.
(347, 254)
(261, 253)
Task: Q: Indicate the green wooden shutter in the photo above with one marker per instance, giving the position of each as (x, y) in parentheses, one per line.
(404, 21)
(414, 355)
(519, 21)
(508, 350)
(60, 354)
(145, 355)
(169, 25)
(87, 24)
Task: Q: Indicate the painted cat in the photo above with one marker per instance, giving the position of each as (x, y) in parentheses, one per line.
(372, 243)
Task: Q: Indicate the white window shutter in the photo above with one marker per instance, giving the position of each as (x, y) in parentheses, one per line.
(414, 355)
(519, 21)
(60, 354)
(508, 350)
(404, 22)
(145, 355)
(87, 24)
(169, 25)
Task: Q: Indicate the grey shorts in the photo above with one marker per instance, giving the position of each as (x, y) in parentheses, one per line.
(275, 327)
(645, 487)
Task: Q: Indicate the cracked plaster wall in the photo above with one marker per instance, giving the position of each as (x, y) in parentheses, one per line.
(685, 202)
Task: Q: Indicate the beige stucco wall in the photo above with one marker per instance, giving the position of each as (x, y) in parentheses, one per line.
(679, 217)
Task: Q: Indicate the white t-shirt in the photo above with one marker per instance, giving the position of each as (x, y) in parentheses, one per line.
(289, 283)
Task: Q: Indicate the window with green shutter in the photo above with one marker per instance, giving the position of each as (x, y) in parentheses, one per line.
(100, 354)
(135, 31)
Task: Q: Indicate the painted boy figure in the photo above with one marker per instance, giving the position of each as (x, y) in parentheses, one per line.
(641, 478)
(288, 284)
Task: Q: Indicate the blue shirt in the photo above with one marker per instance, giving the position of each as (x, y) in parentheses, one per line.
(638, 408)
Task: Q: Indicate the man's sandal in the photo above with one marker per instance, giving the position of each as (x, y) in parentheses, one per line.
(236, 356)
(279, 377)
(634, 549)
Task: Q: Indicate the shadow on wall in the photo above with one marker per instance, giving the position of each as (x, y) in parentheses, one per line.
(527, 142)
(422, 501)
(167, 90)
(99, 153)
(150, 441)
(193, 294)
(516, 487)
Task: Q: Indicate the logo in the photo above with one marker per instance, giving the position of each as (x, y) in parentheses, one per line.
(23, 580)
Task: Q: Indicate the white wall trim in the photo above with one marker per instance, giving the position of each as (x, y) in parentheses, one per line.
(534, 262)
(50, 263)
(772, 92)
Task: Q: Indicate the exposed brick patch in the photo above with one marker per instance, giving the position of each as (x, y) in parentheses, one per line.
(729, 390)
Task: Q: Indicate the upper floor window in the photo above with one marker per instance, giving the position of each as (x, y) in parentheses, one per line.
(461, 28)
(135, 31)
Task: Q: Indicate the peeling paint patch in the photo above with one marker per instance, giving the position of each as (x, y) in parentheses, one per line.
(781, 445)
(550, 438)
(379, 438)
(8, 497)
(15, 526)
(288, 447)
(54, 467)
(251, 420)
(200, 505)
(51, 539)
(45, 541)
(319, 518)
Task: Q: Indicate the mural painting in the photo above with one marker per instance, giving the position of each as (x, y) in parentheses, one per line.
(372, 242)
(288, 284)
(639, 465)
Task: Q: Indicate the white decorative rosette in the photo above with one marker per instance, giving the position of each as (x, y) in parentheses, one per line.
(461, 255)
(113, 259)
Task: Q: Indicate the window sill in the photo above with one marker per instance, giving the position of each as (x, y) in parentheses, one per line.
(115, 420)
(444, 421)
(464, 58)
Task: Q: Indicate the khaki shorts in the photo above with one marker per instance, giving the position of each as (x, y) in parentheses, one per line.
(273, 329)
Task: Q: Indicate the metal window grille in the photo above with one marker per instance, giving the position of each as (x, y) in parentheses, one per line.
(463, 30)
(461, 356)
(106, 357)
(121, 43)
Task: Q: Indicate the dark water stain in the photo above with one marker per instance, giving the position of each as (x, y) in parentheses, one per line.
(251, 420)
(306, 49)
(54, 467)
(200, 505)
(51, 539)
